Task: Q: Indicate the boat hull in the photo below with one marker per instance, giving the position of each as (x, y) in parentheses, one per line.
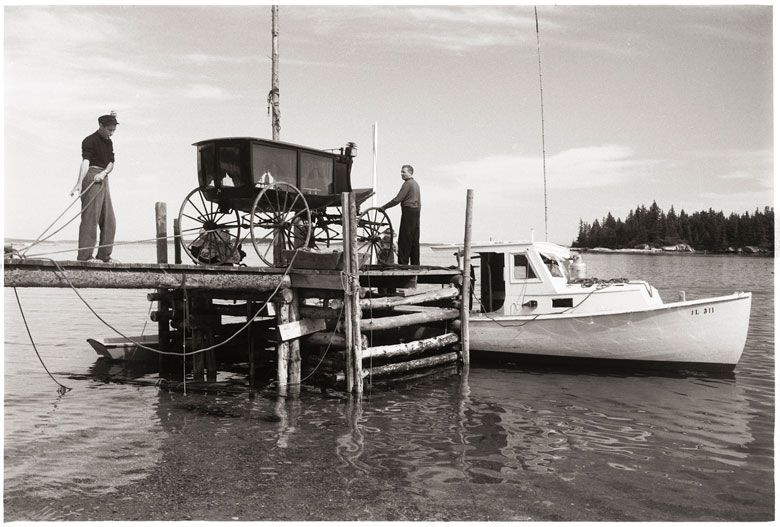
(710, 333)
(124, 349)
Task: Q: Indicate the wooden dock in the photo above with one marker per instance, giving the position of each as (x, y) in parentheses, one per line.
(336, 327)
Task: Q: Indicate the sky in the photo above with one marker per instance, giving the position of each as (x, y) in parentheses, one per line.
(640, 103)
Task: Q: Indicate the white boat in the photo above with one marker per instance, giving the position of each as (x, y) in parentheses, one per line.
(120, 348)
(533, 299)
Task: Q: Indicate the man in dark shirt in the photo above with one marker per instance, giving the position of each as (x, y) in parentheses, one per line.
(97, 152)
(409, 232)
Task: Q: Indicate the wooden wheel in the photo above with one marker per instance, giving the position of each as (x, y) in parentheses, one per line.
(280, 221)
(209, 235)
(375, 236)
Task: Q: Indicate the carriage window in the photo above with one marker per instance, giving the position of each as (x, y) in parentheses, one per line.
(521, 267)
(206, 165)
(271, 164)
(229, 165)
(316, 174)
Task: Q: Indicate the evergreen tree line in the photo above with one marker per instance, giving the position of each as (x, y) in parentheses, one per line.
(704, 231)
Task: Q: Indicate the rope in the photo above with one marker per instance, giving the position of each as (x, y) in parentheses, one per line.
(62, 388)
(39, 240)
(215, 346)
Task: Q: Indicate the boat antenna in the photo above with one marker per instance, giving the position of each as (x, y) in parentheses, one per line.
(273, 95)
(541, 100)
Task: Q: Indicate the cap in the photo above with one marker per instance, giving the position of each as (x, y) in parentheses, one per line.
(108, 119)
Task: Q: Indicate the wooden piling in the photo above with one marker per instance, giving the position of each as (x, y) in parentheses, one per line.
(294, 360)
(464, 305)
(176, 242)
(354, 280)
(346, 228)
(161, 220)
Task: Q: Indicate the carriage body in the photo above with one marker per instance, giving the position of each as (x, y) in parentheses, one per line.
(232, 171)
(281, 195)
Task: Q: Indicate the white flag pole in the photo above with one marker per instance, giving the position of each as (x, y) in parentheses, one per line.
(373, 184)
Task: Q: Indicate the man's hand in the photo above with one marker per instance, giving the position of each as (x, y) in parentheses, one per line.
(99, 177)
(75, 192)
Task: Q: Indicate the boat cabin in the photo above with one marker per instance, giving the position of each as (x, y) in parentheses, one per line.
(532, 278)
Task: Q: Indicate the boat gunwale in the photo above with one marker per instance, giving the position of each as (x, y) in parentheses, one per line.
(740, 295)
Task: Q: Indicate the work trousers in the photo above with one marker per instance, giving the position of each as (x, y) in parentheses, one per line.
(98, 212)
(409, 237)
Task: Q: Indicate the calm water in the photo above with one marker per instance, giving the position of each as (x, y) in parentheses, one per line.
(508, 439)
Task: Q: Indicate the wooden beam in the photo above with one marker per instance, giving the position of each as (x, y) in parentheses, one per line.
(400, 367)
(44, 273)
(428, 296)
(433, 315)
(407, 349)
(299, 328)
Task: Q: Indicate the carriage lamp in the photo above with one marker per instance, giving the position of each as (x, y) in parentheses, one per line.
(351, 150)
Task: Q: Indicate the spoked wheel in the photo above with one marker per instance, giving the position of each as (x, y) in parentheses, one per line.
(209, 235)
(280, 221)
(375, 236)
(325, 229)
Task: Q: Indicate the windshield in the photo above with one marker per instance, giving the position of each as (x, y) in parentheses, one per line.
(556, 265)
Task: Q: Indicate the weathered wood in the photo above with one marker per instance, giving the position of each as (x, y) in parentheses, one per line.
(408, 349)
(346, 227)
(43, 273)
(294, 365)
(325, 313)
(176, 244)
(326, 294)
(299, 328)
(282, 348)
(328, 338)
(317, 279)
(464, 308)
(161, 222)
(390, 301)
(433, 315)
(400, 367)
(353, 297)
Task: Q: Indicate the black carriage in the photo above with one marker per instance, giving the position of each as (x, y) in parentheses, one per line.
(280, 196)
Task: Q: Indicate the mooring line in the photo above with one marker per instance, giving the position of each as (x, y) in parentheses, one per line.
(62, 388)
(161, 352)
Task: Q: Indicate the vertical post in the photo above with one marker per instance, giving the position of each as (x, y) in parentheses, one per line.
(346, 229)
(163, 323)
(295, 344)
(250, 342)
(161, 219)
(176, 241)
(283, 348)
(375, 152)
(273, 97)
(464, 305)
(354, 279)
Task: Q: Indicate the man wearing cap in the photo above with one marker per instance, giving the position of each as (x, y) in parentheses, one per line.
(409, 233)
(97, 152)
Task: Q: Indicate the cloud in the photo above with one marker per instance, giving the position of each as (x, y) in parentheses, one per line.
(574, 168)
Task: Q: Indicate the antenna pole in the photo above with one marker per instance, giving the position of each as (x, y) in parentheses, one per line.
(541, 99)
(376, 148)
(273, 95)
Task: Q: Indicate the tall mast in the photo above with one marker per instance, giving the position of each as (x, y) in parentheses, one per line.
(273, 95)
(541, 100)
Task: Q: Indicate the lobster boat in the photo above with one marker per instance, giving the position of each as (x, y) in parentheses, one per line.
(533, 300)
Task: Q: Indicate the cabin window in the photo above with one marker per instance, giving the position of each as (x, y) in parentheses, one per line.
(562, 302)
(316, 174)
(521, 267)
(270, 164)
(492, 285)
